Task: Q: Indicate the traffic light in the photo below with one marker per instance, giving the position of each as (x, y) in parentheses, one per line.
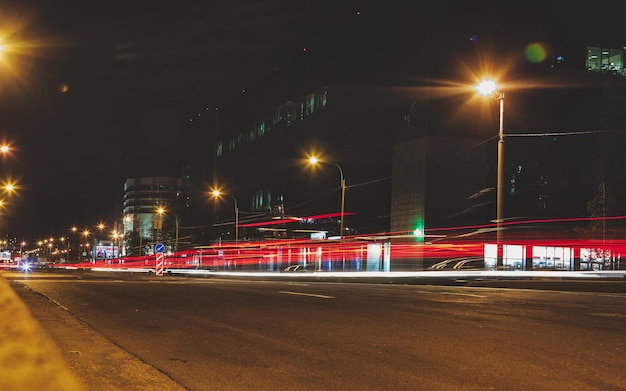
(418, 232)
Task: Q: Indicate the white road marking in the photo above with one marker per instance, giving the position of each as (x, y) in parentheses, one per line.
(306, 294)
(462, 294)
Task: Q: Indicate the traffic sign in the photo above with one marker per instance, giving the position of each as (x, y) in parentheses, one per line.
(159, 247)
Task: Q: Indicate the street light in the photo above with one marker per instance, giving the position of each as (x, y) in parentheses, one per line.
(67, 252)
(314, 161)
(74, 230)
(114, 237)
(216, 193)
(487, 88)
(98, 247)
(86, 234)
(159, 211)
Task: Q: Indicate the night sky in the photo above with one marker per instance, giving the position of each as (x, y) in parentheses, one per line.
(94, 92)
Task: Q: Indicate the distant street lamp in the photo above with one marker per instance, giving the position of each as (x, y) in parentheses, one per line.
(98, 241)
(176, 238)
(114, 239)
(159, 211)
(9, 187)
(216, 193)
(487, 88)
(86, 234)
(74, 230)
(67, 251)
(314, 161)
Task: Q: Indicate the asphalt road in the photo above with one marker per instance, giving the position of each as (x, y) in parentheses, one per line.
(238, 334)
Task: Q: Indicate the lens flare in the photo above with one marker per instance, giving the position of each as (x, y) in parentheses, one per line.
(536, 52)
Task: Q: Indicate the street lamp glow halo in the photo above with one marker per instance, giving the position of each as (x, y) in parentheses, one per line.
(487, 87)
(217, 194)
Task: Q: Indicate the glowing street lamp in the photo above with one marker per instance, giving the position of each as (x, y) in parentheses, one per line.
(488, 87)
(115, 236)
(314, 161)
(74, 230)
(9, 187)
(86, 234)
(159, 212)
(50, 252)
(216, 194)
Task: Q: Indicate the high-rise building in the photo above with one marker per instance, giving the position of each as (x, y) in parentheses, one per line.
(153, 207)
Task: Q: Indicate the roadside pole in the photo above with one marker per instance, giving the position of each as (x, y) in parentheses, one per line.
(159, 248)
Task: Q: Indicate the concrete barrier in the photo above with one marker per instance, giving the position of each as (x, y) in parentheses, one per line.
(29, 359)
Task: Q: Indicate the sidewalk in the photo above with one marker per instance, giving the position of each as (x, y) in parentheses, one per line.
(29, 359)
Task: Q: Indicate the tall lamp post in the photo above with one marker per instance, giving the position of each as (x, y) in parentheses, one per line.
(216, 193)
(86, 234)
(115, 238)
(176, 238)
(67, 250)
(8, 186)
(160, 211)
(487, 88)
(314, 161)
(74, 230)
(98, 241)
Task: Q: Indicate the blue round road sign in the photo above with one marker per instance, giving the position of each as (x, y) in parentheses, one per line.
(159, 248)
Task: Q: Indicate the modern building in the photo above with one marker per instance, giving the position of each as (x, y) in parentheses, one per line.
(399, 155)
(153, 207)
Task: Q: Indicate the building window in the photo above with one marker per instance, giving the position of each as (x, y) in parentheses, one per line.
(605, 60)
(257, 200)
(310, 104)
